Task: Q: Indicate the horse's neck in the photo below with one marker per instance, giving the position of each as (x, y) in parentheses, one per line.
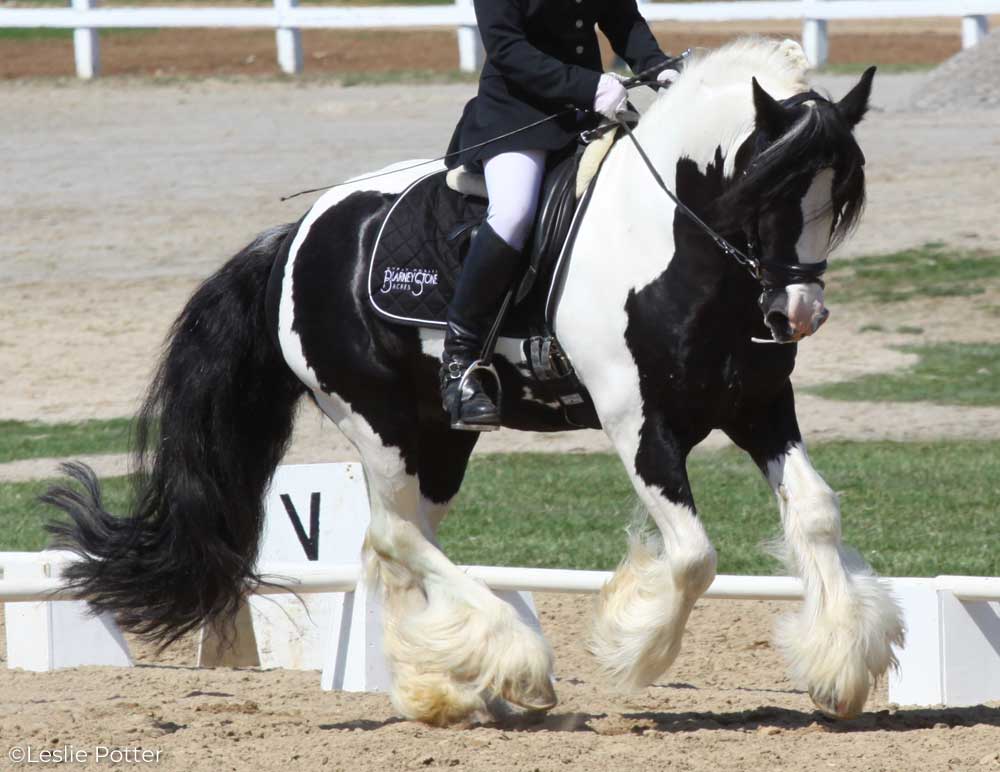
(636, 215)
(695, 125)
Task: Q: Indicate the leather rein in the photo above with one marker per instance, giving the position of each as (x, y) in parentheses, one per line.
(772, 275)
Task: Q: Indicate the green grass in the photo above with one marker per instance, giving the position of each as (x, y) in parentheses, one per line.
(912, 509)
(34, 33)
(947, 373)
(916, 509)
(48, 33)
(34, 439)
(930, 271)
(22, 516)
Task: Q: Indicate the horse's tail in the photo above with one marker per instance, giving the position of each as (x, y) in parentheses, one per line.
(215, 423)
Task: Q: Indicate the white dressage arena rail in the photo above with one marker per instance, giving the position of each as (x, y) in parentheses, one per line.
(288, 19)
(285, 578)
(316, 517)
(951, 657)
(293, 578)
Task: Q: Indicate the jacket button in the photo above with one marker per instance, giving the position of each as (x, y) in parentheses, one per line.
(579, 23)
(579, 50)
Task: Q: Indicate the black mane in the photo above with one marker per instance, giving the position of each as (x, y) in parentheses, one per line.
(770, 168)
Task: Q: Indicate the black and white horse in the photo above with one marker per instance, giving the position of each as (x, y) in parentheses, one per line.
(658, 323)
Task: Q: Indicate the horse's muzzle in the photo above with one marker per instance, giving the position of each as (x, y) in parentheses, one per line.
(794, 312)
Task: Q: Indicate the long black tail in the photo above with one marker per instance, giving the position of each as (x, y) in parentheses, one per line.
(215, 423)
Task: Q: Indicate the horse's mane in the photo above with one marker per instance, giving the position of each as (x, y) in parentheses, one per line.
(713, 82)
(781, 63)
(715, 91)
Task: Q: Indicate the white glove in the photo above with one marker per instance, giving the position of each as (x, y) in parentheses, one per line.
(611, 97)
(666, 77)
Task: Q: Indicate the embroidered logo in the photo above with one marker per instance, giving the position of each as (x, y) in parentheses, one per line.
(412, 280)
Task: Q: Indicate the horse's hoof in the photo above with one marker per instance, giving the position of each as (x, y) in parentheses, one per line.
(839, 710)
(539, 700)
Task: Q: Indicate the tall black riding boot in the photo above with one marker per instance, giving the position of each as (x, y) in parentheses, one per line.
(488, 273)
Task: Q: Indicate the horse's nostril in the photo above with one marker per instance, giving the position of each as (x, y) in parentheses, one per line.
(779, 323)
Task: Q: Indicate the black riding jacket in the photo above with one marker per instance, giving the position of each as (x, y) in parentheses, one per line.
(541, 57)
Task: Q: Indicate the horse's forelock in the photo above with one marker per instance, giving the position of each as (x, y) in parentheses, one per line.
(819, 138)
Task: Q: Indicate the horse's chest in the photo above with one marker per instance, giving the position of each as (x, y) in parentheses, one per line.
(704, 390)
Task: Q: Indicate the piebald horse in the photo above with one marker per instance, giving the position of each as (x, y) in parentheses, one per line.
(659, 323)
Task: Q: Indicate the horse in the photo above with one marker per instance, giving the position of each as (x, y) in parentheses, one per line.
(664, 329)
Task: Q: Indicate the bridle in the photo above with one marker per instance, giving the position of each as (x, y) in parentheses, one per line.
(772, 275)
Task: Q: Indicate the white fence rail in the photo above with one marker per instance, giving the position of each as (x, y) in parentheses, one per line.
(287, 19)
(952, 656)
(305, 580)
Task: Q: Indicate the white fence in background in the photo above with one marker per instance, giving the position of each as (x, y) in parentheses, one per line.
(315, 524)
(287, 18)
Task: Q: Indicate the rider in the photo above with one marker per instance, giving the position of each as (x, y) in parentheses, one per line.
(542, 56)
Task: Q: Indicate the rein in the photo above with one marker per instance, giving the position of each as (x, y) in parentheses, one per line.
(748, 261)
(770, 274)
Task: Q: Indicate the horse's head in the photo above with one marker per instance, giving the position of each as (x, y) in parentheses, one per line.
(798, 189)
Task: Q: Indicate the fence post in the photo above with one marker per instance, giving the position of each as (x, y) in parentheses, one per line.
(974, 29)
(470, 46)
(815, 41)
(86, 46)
(289, 40)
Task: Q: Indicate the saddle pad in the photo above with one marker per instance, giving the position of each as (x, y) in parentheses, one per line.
(419, 251)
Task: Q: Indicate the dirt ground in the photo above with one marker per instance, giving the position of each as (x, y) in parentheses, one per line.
(726, 705)
(138, 191)
(118, 196)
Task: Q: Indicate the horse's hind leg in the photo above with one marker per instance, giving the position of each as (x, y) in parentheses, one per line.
(841, 640)
(452, 644)
(463, 646)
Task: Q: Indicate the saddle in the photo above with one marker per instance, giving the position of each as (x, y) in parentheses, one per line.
(420, 247)
(423, 241)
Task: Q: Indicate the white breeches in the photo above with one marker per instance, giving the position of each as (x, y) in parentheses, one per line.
(513, 181)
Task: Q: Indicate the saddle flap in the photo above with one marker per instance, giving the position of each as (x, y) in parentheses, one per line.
(420, 246)
(419, 250)
(556, 206)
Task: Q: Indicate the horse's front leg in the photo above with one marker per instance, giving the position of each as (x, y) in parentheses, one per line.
(641, 612)
(840, 642)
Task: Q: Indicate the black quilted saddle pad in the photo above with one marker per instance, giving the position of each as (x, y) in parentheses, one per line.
(419, 251)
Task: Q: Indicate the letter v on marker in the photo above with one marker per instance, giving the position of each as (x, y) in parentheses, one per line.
(309, 541)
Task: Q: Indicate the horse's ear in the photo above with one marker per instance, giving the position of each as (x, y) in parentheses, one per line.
(854, 106)
(772, 118)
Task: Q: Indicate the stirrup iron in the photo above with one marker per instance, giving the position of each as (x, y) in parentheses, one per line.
(457, 423)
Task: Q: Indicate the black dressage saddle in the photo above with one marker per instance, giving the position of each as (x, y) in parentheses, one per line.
(420, 247)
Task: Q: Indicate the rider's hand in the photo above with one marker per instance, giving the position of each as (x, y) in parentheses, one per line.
(666, 77)
(611, 97)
